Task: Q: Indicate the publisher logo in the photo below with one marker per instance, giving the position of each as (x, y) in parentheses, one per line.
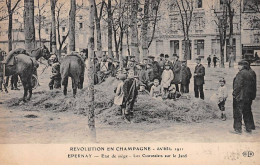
(248, 153)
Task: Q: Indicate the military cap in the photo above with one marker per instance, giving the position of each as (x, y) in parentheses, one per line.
(198, 58)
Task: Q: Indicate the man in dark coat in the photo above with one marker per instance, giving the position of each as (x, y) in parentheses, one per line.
(199, 74)
(176, 68)
(244, 92)
(215, 60)
(162, 62)
(155, 66)
(167, 61)
(185, 77)
(130, 90)
(209, 61)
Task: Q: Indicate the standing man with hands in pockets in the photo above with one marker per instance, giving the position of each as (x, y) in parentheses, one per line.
(199, 74)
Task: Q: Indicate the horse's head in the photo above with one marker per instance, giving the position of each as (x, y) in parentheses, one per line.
(45, 52)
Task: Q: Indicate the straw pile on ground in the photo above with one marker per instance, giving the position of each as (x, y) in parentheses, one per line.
(146, 108)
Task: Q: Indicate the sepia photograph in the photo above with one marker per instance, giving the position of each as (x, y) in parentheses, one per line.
(126, 81)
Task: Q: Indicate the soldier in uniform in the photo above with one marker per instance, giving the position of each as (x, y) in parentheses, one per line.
(162, 62)
(185, 77)
(244, 92)
(56, 76)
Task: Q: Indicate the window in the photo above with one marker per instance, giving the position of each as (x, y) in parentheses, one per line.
(80, 25)
(199, 24)
(199, 4)
(199, 47)
(63, 29)
(175, 25)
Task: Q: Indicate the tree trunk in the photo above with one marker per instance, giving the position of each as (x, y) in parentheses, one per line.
(91, 115)
(53, 27)
(134, 31)
(99, 39)
(29, 30)
(10, 28)
(39, 30)
(72, 16)
(144, 30)
(110, 17)
(231, 45)
(222, 45)
(116, 44)
(121, 48)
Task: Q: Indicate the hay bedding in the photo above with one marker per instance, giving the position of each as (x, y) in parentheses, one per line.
(146, 109)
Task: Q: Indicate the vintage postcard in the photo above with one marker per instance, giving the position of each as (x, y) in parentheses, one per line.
(129, 82)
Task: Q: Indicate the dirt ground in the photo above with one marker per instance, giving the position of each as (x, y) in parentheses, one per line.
(40, 121)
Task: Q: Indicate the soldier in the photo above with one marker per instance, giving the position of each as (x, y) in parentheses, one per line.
(176, 68)
(131, 64)
(130, 91)
(199, 74)
(56, 76)
(155, 67)
(244, 92)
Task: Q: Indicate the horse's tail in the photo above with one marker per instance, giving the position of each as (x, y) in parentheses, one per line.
(32, 65)
(64, 73)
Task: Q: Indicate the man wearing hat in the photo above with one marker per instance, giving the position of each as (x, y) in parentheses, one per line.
(143, 75)
(131, 63)
(115, 66)
(167, 61)
(199, 74)
(155, 67)
(150, 75)
(244, 92)
(56, 76)
(162, 62)
(176, 68)
(185, 77)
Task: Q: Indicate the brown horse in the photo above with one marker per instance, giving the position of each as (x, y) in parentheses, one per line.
(25, 65)
(72, 66)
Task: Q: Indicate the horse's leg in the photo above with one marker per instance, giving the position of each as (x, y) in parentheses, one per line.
(75, 83)
(25, 86)
(65, 85)
(30, 87)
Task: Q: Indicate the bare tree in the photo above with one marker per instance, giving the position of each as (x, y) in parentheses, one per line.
(134, 31)
(40, 17)
(53, 26)
(98, 16)
(149, 19)
(231, 13)
(221, 20)
(91, 115)
(29, 29)
(11, 10)
(72, 18)
(109, 28)
(61, 39)
(185, 8)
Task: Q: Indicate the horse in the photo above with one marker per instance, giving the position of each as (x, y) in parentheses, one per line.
(72, 66)
(24, 65)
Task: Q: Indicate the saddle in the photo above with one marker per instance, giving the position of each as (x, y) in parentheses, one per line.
(11, 59)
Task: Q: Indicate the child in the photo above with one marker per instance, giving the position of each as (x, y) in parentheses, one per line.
(173, 94)
(167, 77)
(222, 95)
(156, 90)
(118, 100)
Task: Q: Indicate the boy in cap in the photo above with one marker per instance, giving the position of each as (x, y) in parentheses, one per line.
(222, 95)
(167, 77)
(199, 74)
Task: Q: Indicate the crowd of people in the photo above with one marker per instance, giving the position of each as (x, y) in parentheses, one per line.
(168, 78)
